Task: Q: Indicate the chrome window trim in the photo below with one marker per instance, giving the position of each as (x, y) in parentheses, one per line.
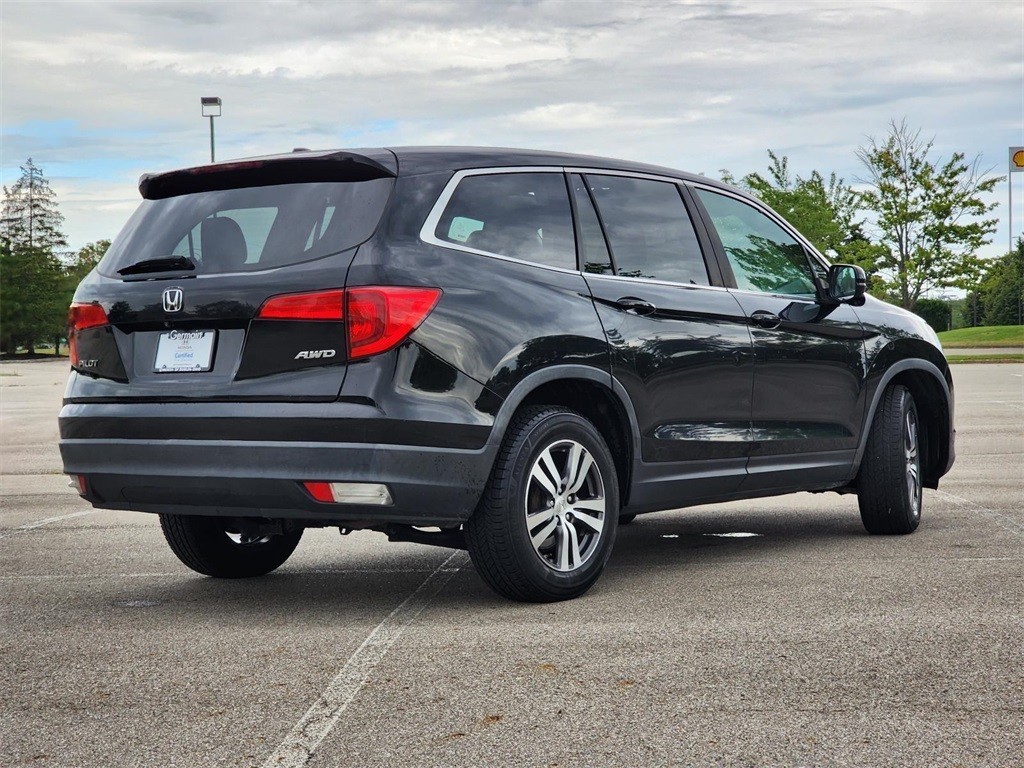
(810, 299)
(757, 205)
(653, 281)
(630, 174)
(430, 225)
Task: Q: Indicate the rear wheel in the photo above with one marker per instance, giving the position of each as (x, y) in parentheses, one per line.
(889, 486)
(216, 547)
(546, 524)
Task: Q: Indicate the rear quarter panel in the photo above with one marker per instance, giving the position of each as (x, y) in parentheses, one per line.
(497, 321)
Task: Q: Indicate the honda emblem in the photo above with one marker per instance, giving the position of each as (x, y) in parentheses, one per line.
(173, 300)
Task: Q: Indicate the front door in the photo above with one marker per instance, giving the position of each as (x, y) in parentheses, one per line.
(808, 397)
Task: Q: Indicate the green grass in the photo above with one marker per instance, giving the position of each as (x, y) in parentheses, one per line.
(984, 336)
(1007, 357)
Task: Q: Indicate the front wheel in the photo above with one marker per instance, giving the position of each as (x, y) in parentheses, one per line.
(214, 547)
(889, 486)
(546, 523)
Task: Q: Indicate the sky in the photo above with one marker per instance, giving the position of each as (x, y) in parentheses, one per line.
(97, 93)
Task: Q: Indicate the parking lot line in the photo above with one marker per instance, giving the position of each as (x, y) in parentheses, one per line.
(301, 743)
(1005, 522)
(46, 521)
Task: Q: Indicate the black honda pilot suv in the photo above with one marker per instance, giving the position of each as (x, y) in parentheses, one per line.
(509, 351)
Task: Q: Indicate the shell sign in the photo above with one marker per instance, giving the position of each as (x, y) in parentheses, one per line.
(1016, 159)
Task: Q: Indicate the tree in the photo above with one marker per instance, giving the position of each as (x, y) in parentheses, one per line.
(30, 215)
(825, 212)
(929, 213)
(972, 312)
(82, 263)
(32, 303)
(1002, 289)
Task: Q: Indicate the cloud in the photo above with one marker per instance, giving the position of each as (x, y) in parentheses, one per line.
(97, 93)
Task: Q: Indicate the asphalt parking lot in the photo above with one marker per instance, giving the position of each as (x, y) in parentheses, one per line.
(810, 643)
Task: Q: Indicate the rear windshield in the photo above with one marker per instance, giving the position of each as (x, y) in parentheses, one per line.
(238, 230)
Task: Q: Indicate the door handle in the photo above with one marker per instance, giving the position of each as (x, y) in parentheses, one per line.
(765, 319)
(635, 306)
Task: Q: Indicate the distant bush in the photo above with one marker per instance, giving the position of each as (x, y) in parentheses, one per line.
(936, 313)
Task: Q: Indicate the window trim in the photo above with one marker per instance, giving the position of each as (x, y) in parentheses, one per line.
(434, 217)
(707, 238)
(724, 264)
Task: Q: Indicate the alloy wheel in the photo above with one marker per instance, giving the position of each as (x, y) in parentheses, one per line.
(913, 460)
(565, 505)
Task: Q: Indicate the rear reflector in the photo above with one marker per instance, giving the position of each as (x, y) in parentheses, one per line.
(350, 493)
(377, 318)
(80, 317)
(78, 483)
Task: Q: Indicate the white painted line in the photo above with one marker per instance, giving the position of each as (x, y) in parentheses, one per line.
(300, 744)
(734, 535)
(1005, 522)
(46, 521)
(190, 575)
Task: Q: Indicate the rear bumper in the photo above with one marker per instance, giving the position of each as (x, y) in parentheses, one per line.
(174, 458)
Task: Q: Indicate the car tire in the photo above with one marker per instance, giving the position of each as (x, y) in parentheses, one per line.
(546, 523)
(889, 486)
(626, 519)
(210, 546)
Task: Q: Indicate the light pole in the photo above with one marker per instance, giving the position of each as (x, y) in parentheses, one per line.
(211, 109)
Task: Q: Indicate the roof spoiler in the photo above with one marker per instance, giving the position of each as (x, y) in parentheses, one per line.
(263, 172)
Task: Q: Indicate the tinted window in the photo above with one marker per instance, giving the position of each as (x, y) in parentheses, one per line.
(252, 228)
(648, 229)
(596, 259)
(521, 215)
(763, 256)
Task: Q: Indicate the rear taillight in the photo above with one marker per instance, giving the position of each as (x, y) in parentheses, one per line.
(80, 317)
(319, 305)
(377, 318)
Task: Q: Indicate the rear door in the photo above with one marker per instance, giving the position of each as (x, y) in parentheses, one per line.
(809, 375)
(680, 345)
(183, 284)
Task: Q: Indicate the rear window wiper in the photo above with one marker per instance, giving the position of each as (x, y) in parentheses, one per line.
(161, 264)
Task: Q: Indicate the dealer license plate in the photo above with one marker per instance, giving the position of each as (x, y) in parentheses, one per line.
(180, 351)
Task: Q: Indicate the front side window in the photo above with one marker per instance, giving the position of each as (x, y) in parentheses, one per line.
(520, 215)
(763, 256)
(649, 230)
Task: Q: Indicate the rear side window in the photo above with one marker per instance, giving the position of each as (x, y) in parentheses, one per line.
(649, 230)
(763, 256)
(252, 228)
(520, 215)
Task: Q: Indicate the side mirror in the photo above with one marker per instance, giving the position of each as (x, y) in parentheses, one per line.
(846, 284)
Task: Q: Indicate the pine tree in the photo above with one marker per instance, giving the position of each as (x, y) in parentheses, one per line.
(31, 275)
